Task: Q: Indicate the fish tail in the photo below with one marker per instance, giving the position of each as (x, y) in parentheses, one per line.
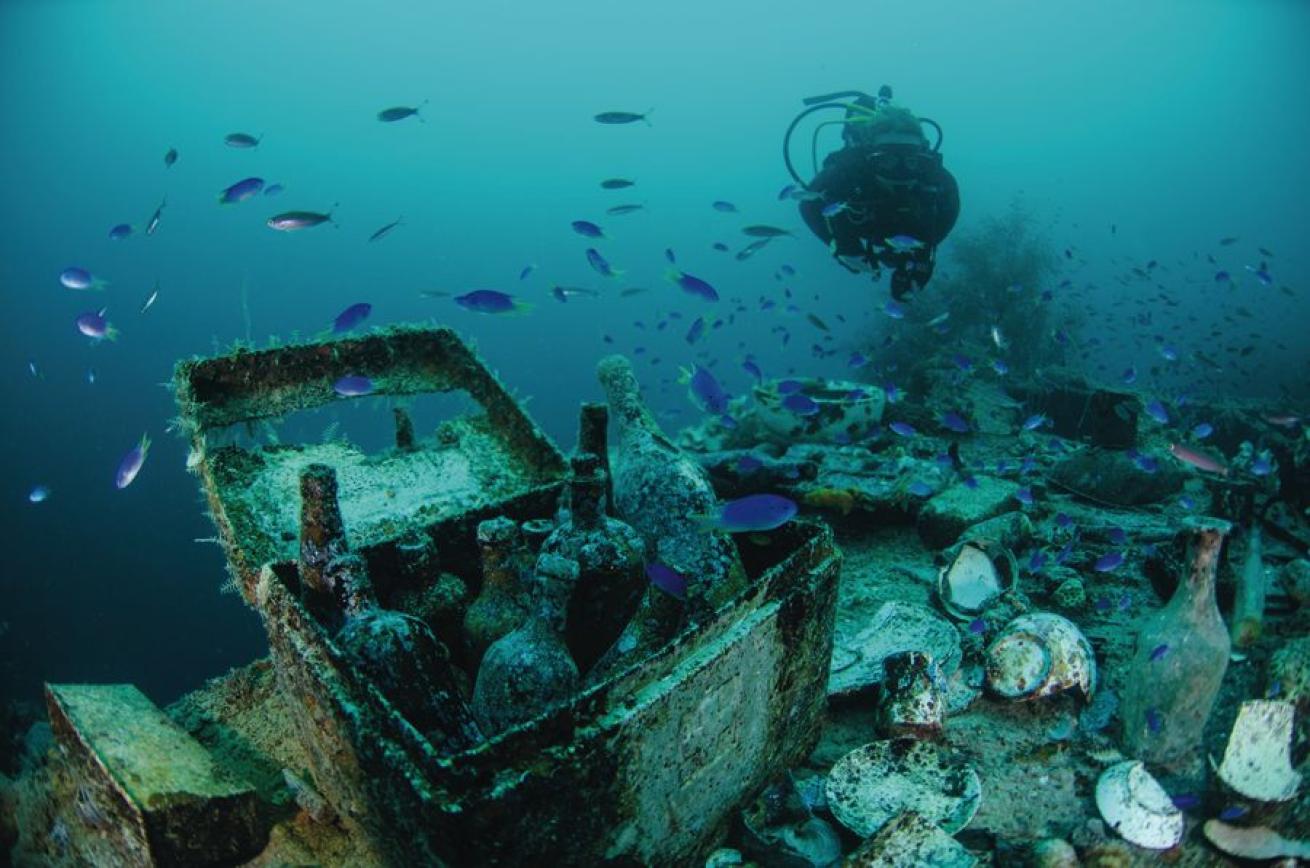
(145, 443)
(673, 275)
(521, 308)
(111, 333)
(646, 117)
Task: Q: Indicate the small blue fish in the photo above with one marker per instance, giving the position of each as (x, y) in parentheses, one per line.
(977, 626)
(1187, 503)
(1156, 411)
(1129, 376)
(891, 392)
(953, 421)
(598, 263)
(527, 269)
(74, 277)
(697, 329)
(919, 488)
(1222, 277)
(894, 309)
(800, 404)
(1186, 801)
(1147, 463)
(905, 429)
(667, 580)
(241, 191)
(273, 189)
(785, 192)
(725, 207)
(351, 317)
(704, 390)
(1202, 430)
(857, 360)
(352, 386)
(668, 254)
(752, 368)
(693, 285)
(963, 362)
(1261, 466)
(587, 229)
(1025, 496)
(1036, 561)
(1233, 812)
(832, 209)
(1000, 367)
(748, 464)
(753, 513)
(903, 243)
(1108, 563)
(119, 232)
(490, 301)
(1168, 353)
(1154, 720)
(1118, 536)
(1064, 554)
(131, 463)
(1158, 652)
(1032, 423)
(38, 494)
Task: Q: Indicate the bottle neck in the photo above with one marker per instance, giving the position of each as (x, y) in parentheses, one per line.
(1196, 590)
(587, 501)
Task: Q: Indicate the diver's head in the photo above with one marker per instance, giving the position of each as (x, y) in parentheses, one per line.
(885, 94)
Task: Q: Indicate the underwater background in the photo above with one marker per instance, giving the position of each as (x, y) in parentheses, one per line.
(1124, 133)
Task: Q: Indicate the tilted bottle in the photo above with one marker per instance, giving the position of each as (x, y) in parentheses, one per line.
(530, 669)
(1180, 660)
(1249, 602)
(609, 557)
(403, 659)
(660, 491)
(656, 621)
(502, 604)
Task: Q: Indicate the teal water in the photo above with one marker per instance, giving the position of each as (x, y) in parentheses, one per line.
(1179, 123)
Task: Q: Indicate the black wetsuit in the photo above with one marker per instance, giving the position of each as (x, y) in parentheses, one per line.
(887, 190)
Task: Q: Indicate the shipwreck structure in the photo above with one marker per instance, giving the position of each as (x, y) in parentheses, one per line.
(646, 765)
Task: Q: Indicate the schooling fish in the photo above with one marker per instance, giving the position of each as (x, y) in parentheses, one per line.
(667, 580)
(150, 299)
(1197, 459)
(693, 285)
(400, 112)
(491, 301)
(290, 221)
(241, 191)
(622, 117)
(38, 494)
(241, 140)
(131, 463)
(704, 390)
(800, 404)
(762, 230)
(616, 183)
(619, 210)
(170, 157)
(903, 243)
(599, 263)
(564, 293)
(754, 513)
(399, 221)
(153, 223)
(351, 317)
(121, 231)
(94, 325)
(725, 207)
(587, 229)
(75, 277)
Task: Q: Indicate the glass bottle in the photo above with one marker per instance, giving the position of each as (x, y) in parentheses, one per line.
(656, 621)
(1249, 603)
(403, 659)
(1182, 654)
(609, 557)
(659, 490)
(501, 604)
(530, 669)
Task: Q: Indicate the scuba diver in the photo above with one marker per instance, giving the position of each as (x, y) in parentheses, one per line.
(884, 200)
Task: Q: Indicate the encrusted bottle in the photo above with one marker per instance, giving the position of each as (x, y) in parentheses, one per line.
(1249, 602)
(525, 672)
(502, 604)
(1182, 654)
(609, 557)
(322, 538)
(659, 490)
(657, 620)
(401, 656)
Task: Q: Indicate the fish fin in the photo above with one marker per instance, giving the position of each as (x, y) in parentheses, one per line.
(521, 307)
(646, 117)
